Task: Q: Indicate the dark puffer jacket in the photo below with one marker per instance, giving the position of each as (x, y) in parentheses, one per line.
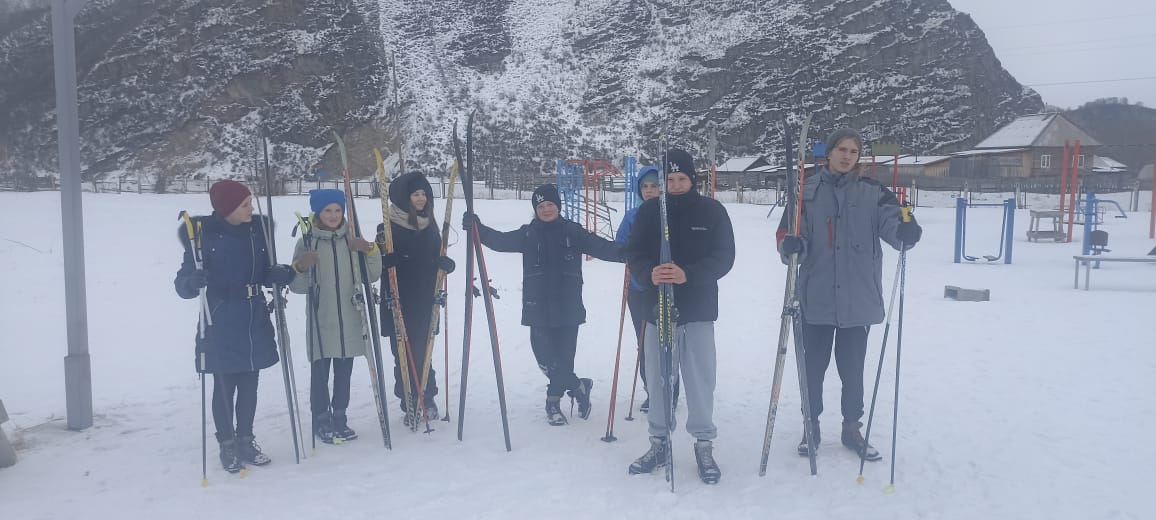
(552, 267)
(236, 264)
(702, 243)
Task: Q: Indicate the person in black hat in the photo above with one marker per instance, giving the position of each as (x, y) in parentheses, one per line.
(840, 288)
(552, 249)
(417, 257)
(702, 247)
(238, 339)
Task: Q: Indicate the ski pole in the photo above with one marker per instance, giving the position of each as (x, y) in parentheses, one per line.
(609, 437)
(637, 366)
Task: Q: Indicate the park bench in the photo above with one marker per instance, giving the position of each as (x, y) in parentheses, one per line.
(1088, 260)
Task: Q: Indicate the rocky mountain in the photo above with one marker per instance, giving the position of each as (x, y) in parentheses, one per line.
(178, 87)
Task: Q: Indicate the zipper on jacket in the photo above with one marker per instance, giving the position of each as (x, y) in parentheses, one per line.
(253, 275)
(337, 287)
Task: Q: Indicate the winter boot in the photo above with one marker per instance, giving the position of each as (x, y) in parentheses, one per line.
(341, 429)
(707, 468)
(554, 411)
(229, 459)
(656, 457)
(645, 406)
(323, 427)
(582, 395)
(853, 440)
(803, 443)
(249, 452)
(431, 409)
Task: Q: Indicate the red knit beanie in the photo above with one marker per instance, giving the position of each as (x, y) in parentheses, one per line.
(227, 195)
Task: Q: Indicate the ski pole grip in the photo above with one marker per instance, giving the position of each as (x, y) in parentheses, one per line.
(905, 213)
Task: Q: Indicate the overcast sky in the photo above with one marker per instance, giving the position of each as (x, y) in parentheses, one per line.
(1044, 42)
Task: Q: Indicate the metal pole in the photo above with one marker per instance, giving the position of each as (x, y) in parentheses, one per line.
(77, 365)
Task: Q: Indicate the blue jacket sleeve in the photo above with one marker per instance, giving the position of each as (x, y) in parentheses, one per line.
(623, 233)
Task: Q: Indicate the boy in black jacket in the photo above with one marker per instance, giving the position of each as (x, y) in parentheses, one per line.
(702, 247)
(552, 249)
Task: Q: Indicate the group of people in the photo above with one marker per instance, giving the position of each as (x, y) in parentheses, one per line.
(844, 219)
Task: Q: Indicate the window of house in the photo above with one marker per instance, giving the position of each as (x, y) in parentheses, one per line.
(1045, 161)
(1081, 161)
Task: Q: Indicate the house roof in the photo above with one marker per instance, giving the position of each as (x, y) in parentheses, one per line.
(1108, 165)
(994, 151)
(742, 164)
(1040, 130)
(916, 160)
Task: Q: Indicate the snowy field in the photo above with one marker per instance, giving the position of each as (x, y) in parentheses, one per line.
(1037, 404)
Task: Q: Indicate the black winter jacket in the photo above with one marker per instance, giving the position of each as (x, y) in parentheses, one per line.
(551, 267)
(702, 243)
(417, 271)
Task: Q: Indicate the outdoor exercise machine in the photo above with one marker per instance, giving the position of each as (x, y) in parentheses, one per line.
(1005, 237)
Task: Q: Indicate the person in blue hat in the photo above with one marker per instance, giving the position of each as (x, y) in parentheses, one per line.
(335, 322)
(648, 188)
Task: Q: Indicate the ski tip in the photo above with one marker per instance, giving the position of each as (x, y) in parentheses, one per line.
(204, 483)
(243, 473)
(859, 480)
(889, 489)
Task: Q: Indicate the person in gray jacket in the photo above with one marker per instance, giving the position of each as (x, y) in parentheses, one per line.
(335, 324)
(840, 284)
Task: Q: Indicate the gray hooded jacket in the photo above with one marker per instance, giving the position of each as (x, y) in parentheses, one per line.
(841, 273)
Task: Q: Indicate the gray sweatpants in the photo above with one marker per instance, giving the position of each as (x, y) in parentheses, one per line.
(694, 356)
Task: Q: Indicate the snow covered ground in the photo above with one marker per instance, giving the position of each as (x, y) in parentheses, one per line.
(1036, 404)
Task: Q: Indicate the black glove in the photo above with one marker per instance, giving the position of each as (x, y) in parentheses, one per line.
(390, 260)
(909, 232)
(196, 279)
(469, 219)
(446, 264)
(280, 274)
(792, 244)
(380, 239)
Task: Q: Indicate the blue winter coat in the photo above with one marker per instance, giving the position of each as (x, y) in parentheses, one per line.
(235, 261)
(622, 236)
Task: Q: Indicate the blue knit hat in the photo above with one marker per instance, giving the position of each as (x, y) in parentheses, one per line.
(319, 199)
(647, 174)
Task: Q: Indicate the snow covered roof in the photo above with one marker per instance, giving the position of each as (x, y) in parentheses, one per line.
(742, 164)
(994, 151)
(1040, 130)
(916, 160)
(1108, 165)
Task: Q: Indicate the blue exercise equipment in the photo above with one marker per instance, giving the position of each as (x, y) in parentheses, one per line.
(1005, 237)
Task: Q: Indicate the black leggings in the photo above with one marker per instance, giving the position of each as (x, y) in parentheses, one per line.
(319, 401)
(850, 347)
(243, 386)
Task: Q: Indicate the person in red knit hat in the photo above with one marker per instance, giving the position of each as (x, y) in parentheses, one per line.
(240, 341)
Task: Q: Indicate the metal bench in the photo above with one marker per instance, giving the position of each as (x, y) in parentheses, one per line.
(7, 453)
(1088, 260)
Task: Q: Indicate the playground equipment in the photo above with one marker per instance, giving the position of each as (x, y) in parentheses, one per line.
(583, 191)
(7, 454)
(1056, 234)
(1006, 233)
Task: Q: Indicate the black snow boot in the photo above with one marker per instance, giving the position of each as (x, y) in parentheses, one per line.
(656, 457)
(431, 409)
(582, 395)
(707, 468)
(554, 411)
(853, 440)
(323, 427)
(645, 406)
(341, 429)
(803, 443)
(229, 459)
(249, 452)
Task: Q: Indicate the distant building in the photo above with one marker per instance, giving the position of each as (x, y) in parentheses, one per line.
(1030, 146)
